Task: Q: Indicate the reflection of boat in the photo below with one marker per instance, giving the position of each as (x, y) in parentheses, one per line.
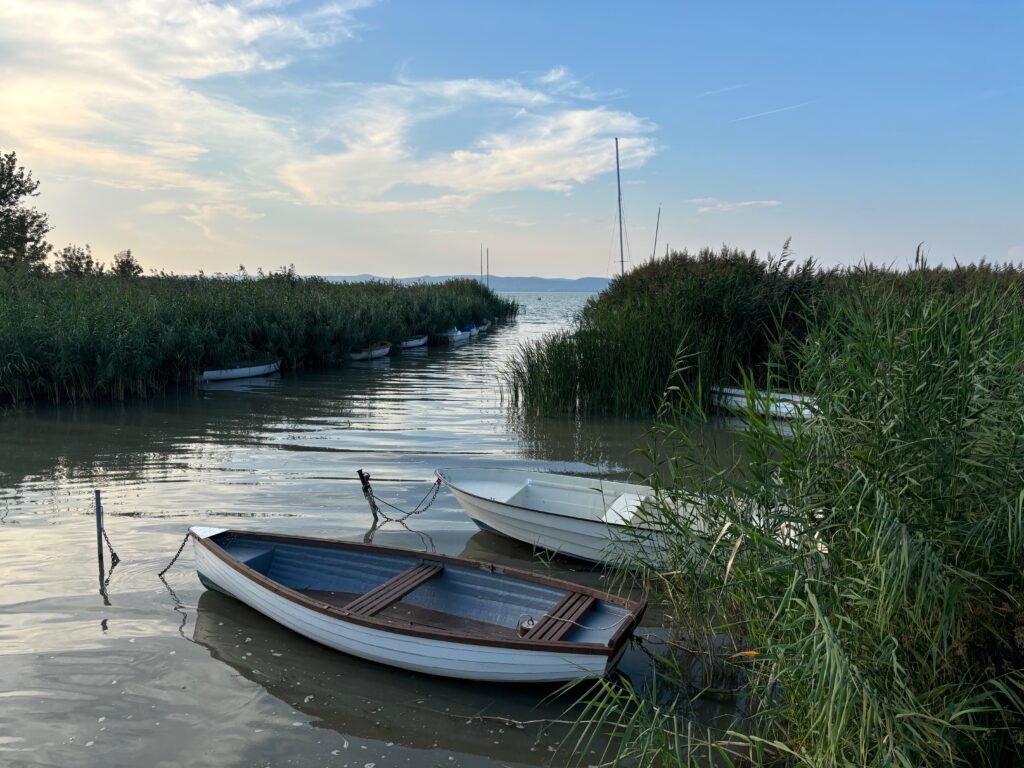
(372, 352)
(456, 335)
(584, 517)
(373, 702)
(413, 343)
(243, 370)
(777, 405)
(485, 325)
(427, 613)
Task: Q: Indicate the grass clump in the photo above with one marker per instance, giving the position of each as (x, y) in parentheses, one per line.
(857, 578)
(67, 337)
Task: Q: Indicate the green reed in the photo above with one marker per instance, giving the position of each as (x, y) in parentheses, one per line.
(728, 313)
(857, 578)
(66, 338)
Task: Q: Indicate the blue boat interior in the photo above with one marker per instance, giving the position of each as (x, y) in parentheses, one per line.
(428, 593)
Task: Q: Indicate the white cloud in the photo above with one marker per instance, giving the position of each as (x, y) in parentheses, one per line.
(714, 205)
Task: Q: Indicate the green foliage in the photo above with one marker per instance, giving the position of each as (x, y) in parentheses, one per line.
(84, 335)
(23, 229)
(729, 314)
(75, 260)
(858, 576)
(125, 264)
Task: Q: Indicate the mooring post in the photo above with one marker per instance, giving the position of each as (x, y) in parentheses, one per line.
(364, 479)
(99, 528)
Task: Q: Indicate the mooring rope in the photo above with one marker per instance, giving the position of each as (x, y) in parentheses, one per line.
(174, 559)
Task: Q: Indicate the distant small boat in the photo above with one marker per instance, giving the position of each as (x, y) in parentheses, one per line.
(456, 335)
(777, 405)
(583, 517)
(471, 329)
(485, 325)
(372, 352)
(243, 370)
(413, 343)
(423, 612)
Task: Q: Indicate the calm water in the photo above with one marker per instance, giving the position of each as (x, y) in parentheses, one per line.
(167, 674)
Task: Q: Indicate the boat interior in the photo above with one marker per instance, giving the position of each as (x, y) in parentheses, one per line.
(420, 592)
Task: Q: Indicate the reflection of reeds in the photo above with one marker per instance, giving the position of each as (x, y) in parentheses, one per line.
(862, 573)
(97, 336)
(724, 316)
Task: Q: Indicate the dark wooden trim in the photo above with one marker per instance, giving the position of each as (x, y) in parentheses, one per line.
(561, 618)
(634, 608)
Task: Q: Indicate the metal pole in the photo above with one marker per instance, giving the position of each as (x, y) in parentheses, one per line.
(657, 224)
(99, 528)
(618, 181)
(488, 267)
(481, 262)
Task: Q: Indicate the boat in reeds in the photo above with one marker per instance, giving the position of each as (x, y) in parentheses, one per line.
(471, 329)
(372, 352)
(776, 405)
(413, 343)
(583, 517)
(242, 370)
(456, 335)
(485, 325)
(423, 612)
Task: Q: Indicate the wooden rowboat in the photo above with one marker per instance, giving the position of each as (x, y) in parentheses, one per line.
(583, 517)
(242, 370)
(777, 405)
(424, 612)
(455, 335)
(372, 352)
(413, 343)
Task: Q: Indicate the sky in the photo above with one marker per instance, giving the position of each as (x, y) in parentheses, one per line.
(396, 137)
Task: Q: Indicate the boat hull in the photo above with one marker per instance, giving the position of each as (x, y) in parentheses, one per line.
(591, 540)
(776, 405)
(420, 341)
(481, 662)
(371, 354)
(245, 372)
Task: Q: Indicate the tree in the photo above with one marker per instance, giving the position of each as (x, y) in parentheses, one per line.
(22, 229)
(125, 264)
(75, 260)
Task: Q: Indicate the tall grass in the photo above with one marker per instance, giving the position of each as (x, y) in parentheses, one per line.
(99, 336)
(861, 575)
(729, 313)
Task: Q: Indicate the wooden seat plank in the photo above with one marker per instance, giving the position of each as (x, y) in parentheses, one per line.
(392, 590)
(561, 618)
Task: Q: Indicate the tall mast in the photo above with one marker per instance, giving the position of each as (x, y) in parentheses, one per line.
(657, 223)
(488, 266)
(618, 181)
(481, 262)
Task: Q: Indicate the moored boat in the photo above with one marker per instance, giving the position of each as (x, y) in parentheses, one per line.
(583, 517)
(372, 352)
(242, 370)
(471, 329)
(413, 343)
(777, 405)
(456, 335)
(423, 612)
(484, 326)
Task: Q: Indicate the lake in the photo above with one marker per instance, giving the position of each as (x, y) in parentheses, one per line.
(162, 672)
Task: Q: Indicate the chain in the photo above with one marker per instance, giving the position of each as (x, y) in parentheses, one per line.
(417, 510)
(175, 558)
(114, 559)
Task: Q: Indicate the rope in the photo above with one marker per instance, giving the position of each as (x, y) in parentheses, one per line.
(175, 558)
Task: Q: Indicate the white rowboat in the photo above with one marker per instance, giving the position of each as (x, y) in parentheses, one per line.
(372, 352)
(456, 335)
(423, 612)
(418, 341)
(583, 517)
(244, 370)
(777, 405)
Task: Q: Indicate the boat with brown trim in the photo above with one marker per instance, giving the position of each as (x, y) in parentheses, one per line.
(424, 612)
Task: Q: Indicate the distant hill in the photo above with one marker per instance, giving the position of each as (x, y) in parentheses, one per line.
(499, 283)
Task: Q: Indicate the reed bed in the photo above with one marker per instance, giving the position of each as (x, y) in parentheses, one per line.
(86, 337)
(727, 314)
(856, 579)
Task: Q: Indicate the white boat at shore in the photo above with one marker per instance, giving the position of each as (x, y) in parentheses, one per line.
(777, 405)
(456, 335)
(414, 343)
(583, 517)
(423, 612)
(243, 370)
(372, 352)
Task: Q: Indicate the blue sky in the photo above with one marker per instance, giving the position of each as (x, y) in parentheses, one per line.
(393, 137)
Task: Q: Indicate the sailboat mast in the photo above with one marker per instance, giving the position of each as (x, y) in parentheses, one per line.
(657, 224)
(618, 181)
(488, 267)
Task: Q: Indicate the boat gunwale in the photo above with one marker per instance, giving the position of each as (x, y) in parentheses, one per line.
(635, 608)
(218, 374)
(625, 527)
